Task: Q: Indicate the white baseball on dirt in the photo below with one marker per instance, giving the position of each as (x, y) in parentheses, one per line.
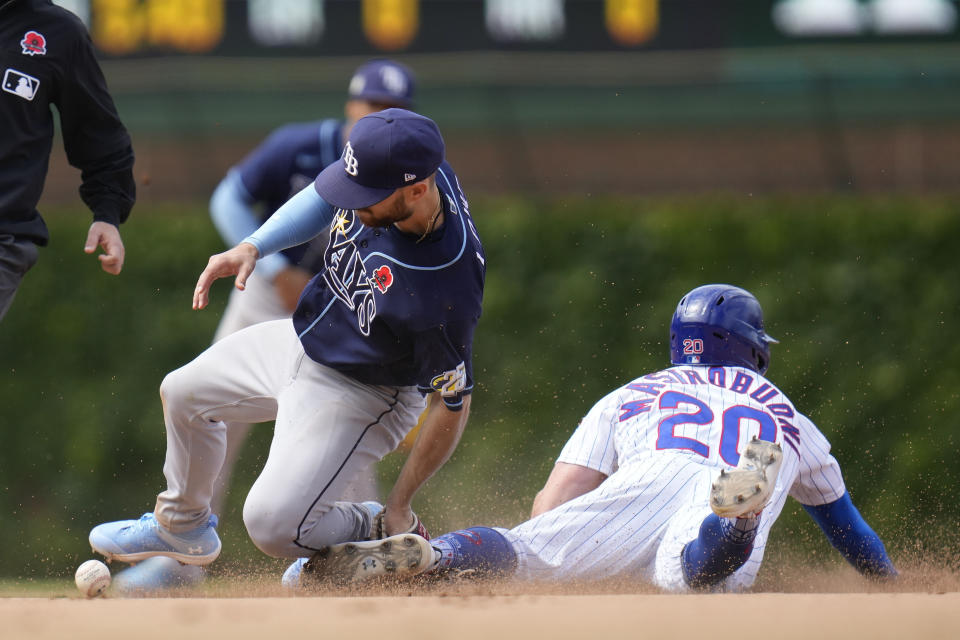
(92, 578)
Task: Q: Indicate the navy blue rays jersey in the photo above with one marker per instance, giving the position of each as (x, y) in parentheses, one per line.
(391, 309)
(286, 162)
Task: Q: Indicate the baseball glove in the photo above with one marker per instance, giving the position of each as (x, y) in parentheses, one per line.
(377, 531)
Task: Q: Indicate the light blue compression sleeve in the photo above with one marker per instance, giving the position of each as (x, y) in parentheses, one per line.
(850, 534)
(302, 218)
(231, 209)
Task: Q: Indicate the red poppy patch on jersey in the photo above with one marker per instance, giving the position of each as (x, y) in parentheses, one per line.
(383, 278)
(34, 44)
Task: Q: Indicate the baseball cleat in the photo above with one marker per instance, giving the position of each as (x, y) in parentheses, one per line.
(156, 576)
(406, 554)
(745, 490)
(373, 509)
(291, 577)
(136, 540)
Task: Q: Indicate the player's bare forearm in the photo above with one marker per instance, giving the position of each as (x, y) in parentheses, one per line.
(239, 261)
(566, 482)
(438, 437)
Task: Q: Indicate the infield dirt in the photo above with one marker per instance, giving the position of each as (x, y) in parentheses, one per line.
(806, 605)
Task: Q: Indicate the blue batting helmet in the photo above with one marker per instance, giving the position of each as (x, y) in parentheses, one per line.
(720, 324)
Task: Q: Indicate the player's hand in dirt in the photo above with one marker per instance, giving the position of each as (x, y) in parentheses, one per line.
(107, 237)
(239, 261)
(394, 521)
(289, 284)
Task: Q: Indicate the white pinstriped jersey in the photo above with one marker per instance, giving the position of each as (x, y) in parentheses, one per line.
(661, 440)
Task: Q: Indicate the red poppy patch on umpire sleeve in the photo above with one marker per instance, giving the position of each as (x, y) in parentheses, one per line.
(34, 44)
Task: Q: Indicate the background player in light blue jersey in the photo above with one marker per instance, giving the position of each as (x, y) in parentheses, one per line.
(387, 323)
(675, 479)
(288, 160)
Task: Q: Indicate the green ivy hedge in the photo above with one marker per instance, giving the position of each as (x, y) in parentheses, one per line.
(861, 292)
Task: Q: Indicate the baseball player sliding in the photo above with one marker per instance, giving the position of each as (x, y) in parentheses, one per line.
(675, 478)
(388, 321)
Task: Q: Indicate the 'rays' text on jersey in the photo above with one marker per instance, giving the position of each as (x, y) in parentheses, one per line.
(346, 275)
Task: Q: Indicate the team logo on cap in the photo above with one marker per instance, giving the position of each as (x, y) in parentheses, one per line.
(357, 84)
(34, 44)
(349, 160)
(20, 84)
(382, 278)
(394, 80)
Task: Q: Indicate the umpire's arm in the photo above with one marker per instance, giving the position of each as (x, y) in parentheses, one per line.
(438, 437)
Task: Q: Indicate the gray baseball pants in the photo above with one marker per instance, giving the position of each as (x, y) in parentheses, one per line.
(328, 428)
(258, 303)
(16, 258)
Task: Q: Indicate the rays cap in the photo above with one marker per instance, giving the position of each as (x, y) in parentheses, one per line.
(383, 82)
(387, 150)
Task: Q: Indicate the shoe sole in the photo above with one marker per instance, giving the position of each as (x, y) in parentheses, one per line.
(356, 562)
(746, 489)
(184, 558)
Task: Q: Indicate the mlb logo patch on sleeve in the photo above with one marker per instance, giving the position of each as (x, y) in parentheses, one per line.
(20, 84)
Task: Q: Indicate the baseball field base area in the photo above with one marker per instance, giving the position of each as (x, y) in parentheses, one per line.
(774, 615)
(860, 291)
(787, 603)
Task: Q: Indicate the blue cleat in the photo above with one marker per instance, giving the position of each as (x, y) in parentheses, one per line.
(291, 577)
(136, 540)
(156, 575)
(373, 508)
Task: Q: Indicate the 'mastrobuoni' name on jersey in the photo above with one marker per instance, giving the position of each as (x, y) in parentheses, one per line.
(684, 394)
(394, 309)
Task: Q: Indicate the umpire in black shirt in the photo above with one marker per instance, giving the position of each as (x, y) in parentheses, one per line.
(47, 58)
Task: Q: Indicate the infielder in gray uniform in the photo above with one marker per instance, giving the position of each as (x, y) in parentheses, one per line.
(675, 478)
(287, 161)
(388, 322)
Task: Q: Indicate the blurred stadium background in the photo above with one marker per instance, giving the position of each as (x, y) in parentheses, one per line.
(617, 152)
(548, 96)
